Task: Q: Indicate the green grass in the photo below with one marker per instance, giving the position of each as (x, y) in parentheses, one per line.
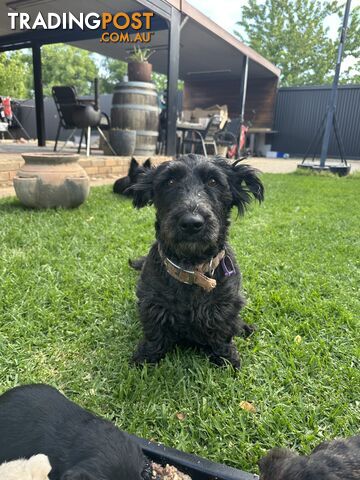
(68, 318)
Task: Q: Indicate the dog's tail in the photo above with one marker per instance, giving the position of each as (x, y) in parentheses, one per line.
(137, 263)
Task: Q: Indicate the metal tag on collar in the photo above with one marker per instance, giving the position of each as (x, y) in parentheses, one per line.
(228, 266)
(211, 269)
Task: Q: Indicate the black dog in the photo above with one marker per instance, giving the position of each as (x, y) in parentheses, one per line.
(80, 446)
(189, 286)
(121, 186)
(336, 460)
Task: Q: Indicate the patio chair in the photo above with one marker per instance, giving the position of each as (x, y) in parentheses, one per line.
(79, 114)
(201, 139)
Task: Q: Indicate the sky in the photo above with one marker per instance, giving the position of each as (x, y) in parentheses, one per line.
(227, 12)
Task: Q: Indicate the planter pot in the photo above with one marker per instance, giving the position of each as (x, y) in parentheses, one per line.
(123, 142)
(198, 468)
(51, 180)
(139, 71)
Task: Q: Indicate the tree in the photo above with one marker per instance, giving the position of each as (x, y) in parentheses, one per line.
(66, 65)
(293, 35)
(113, 72)
(15, 75)
(352, 49)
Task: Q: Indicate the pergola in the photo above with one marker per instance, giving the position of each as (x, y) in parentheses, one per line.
(215, 66)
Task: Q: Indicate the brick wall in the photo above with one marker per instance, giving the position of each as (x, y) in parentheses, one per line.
(95, 167)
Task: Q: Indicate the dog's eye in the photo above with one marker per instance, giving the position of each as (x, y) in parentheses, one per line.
(212, 182)
(171, 181)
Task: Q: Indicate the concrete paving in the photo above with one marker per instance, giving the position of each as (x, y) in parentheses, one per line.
(10, 153)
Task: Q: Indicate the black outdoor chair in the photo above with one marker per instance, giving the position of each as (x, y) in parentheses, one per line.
(201, 139)
(79, 114)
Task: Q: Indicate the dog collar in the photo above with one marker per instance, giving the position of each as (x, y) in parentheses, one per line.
(196, 276)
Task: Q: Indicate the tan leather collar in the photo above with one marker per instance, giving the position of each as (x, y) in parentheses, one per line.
(196, 276)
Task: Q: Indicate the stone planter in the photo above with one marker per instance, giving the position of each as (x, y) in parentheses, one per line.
(139, 71)
(123, 141)
(51, 180)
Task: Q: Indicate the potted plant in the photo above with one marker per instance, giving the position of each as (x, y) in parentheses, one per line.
(139, 69)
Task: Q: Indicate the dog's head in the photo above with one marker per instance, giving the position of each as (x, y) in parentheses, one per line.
(273, 465)
(283, 464)
(136, 169)
(193, 196)
(122, 185)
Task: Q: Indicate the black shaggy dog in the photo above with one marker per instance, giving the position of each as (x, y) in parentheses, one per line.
(188, 290)
(121, 186)
(80, 446)
(336, 460)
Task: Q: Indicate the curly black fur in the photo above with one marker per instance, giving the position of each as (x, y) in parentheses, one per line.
(122, 185)
(80, 446)
(192, 190)
(336, 460)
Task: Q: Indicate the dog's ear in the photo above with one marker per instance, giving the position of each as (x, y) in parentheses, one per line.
(147, 163)
(143, 191)
(134, 164)
(245, 184)
(272, 464)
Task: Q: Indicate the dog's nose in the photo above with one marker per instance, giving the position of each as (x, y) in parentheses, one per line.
(190, 223)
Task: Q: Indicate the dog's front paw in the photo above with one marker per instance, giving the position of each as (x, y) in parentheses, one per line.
(148, 352)
(224, 354)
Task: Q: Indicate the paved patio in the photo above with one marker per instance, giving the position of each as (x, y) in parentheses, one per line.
(103, 169)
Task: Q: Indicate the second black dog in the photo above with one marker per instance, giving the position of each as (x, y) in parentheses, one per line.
(336, 460)
(80, 446)
(122, 185)
(189, 286)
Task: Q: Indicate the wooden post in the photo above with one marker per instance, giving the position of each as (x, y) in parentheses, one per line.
(39, 98)
(173, 77)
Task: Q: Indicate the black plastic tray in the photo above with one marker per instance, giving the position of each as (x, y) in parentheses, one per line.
(198, 468)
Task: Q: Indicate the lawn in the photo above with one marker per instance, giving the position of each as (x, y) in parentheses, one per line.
(68, 318)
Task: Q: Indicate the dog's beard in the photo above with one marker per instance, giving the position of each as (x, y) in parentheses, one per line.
(189, 247)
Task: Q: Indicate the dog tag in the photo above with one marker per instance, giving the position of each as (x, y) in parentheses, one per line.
(228, 266)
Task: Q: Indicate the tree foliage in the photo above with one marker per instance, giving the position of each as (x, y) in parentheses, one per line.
(112, 72)
(67, 65)
(15, 75)
(294, 35)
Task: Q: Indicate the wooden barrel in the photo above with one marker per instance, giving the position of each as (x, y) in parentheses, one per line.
(135, 107)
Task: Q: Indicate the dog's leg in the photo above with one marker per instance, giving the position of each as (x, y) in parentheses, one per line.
(152, 351)
(245, 330)
(137, 263)
(221, 353)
